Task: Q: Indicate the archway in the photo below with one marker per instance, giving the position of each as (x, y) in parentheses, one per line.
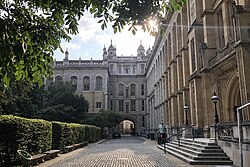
(232, 100)
(127, 127)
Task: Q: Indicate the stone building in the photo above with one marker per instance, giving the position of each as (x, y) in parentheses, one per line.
(116, 83)
(205, 50)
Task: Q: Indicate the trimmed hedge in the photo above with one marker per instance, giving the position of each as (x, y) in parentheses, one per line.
(31, 135)
(37, 136)
(65, 134)
(93, 133)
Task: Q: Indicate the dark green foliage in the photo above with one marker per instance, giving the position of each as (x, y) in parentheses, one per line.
(31, 30)
(59, 104)
(106, 118)
(31, 135)
(15, 100)
(62, 93)
(65, 134)
(62, 104)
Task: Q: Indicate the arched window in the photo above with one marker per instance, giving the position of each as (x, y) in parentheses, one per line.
(121, 89)
(86, 83)
(98, 83)
(73, 81)
(58, 78)
(132, 89)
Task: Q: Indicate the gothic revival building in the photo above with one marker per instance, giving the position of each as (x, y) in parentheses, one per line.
(205, 49)
(116, 83)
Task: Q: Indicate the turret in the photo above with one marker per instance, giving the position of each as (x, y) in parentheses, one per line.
(111, 51)
(105, 54)
(66, 58)
(140, 51)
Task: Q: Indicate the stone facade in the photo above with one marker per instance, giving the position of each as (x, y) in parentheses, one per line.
(116, 83)
(205, 49)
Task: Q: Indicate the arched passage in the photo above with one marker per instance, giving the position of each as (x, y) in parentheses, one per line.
(127, 126)
(232, 99)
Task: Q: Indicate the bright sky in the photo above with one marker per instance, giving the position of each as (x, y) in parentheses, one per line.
(91, 39)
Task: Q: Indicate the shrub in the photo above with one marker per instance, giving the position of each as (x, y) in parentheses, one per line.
(31, 135)
(93, 133)
(65, 134)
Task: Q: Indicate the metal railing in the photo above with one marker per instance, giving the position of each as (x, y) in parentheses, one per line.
(179, 132)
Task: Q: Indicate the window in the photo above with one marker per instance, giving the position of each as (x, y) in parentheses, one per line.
(73, 81)
(132, 89)
(58, 79)
(134, 69)
(121, 89)
(142, 68)
(98, 104)
(142, 89)
(86, 83)
(192, 10)
(111, 105)
(127, 92)
(120, 105)
(126, 69)
(221, 30)
(193, 57)
(127, 107)
(111, 90)
(143, 121)
(132, 105)
(142, 105)
(120, 69)
(98, 83)
(111, 68)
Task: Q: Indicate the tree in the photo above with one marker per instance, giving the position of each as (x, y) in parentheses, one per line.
(31, 30)
(62, 93)
(106, 118)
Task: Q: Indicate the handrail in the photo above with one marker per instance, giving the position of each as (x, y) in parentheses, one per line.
(187, 127)
(177, 134)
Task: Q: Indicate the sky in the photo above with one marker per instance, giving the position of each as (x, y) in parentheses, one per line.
(90, 41)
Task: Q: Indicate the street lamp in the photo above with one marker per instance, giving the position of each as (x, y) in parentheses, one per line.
(215, 99)
(148, 131)
(186, 110)
(162, 123)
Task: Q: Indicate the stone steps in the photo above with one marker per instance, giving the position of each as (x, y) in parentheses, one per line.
(197, 152)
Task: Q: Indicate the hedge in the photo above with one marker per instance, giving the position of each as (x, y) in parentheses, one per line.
(93, 133)
(31, 135)
(65, 134)
(37, 136)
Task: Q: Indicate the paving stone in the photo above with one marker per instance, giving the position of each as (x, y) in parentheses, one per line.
(124, 152)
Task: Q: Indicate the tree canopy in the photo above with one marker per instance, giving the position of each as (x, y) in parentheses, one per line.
(59, 104)
(31, 30)
(105, 118)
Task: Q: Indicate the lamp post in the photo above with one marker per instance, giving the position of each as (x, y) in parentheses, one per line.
(215, 99)
(148, 132)
(186, 110)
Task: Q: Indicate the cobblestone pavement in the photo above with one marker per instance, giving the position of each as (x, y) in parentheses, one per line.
(124, 152)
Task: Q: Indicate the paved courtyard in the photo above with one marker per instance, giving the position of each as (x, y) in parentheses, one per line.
(125, 152)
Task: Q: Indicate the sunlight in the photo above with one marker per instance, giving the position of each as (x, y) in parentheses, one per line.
(153, 25)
